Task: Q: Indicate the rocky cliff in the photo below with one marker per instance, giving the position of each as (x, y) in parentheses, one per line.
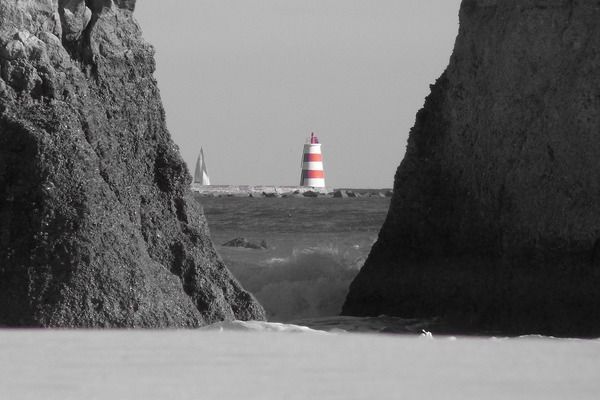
(495, 220)
(97, 228)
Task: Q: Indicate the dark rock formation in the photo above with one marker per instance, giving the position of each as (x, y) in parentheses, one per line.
(245, 243)
(495, 219)
(97, 228)
(310, 193)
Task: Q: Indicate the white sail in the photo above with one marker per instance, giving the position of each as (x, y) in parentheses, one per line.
(201, 175)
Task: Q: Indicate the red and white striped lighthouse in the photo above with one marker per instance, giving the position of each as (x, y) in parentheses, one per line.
(312, 164)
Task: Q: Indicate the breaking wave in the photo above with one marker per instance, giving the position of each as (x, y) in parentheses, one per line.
(311, 282)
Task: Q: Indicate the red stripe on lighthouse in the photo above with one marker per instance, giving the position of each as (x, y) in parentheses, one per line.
(313, 174)
(308, 157)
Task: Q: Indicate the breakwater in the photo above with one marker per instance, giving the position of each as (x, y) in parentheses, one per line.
(284, 191)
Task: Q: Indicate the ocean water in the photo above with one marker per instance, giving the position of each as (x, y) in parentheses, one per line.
(315, 247)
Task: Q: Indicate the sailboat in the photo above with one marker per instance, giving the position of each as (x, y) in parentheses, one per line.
(200, 175)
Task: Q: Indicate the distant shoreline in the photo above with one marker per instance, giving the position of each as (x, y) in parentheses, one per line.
(284, 191)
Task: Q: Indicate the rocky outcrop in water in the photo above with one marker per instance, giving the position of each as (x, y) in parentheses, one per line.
(97, 228)
(495, 219)
(247, 244)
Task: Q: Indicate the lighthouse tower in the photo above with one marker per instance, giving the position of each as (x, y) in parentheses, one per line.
(312, 164)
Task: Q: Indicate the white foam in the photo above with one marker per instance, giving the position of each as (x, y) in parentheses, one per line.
(260, 326)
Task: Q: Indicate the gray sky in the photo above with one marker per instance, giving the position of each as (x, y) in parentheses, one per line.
(249, 80)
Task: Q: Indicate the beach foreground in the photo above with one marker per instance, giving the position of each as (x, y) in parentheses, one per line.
(276, 361)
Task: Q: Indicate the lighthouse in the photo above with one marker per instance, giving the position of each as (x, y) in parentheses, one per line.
(312, 164)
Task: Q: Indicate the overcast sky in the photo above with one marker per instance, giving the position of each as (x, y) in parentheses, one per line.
(249, 80)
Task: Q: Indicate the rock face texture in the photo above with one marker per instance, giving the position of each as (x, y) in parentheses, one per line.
(97, 228)
(495, 220)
